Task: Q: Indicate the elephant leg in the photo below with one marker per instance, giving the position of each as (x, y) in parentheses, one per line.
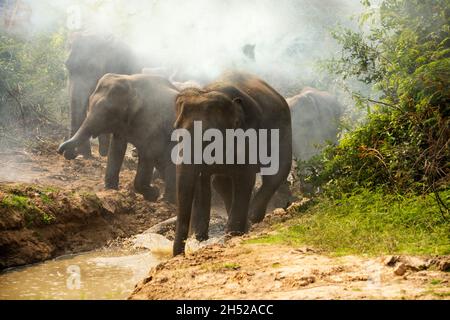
(242, 192)
(185, 187)
(143, 178)
(103, 144)
(116, 155)
(224, 186)
(77, 118)
(283, 196)
(170, 183)
(85, 149)
(270, 184)
(201, 208)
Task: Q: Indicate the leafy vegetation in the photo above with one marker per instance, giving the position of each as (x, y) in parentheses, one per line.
(369, 222)
(404, 144)
(15, 201)
(33, 91)
(386, 185)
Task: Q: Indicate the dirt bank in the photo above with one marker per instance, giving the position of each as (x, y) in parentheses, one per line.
(243, 270)
(259, 271)
(61, 207)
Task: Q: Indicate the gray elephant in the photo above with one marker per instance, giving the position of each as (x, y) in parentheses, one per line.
(92, 56)
(136, 109)
(237, 102)
(315, 121)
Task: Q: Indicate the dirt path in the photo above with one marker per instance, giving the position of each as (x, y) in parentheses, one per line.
(243, 269)
(52, 169)
(50, 206)
(258, 271)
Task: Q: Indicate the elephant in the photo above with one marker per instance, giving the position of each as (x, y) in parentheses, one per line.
(91, 56)
(136, 109)
(234, 101)
(315, 121)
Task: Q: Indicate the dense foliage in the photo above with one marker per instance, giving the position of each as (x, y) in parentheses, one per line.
(403, 51)
(33, 91)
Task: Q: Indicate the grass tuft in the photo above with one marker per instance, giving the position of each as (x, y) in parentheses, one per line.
(369, 222)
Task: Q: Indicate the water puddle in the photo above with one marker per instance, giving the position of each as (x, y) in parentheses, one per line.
(109, 273)
(101, 274)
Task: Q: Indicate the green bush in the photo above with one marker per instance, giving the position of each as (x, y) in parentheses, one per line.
(33, 90)
(404, 144)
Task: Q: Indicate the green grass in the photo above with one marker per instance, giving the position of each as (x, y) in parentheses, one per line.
(45, 199)
(369, 223)
(28, 208)
(217, 267)
(231, 266)
(15, 201)
(49, 189)
(435, 282)
(442, 294)
(276, 265)
(47, 218)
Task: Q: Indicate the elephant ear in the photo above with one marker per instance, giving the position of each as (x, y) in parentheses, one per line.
(239, 115)
(134, 106)
(309, 106)
(248, 112)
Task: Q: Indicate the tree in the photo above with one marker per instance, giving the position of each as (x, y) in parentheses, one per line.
(32, 82)
(404, 53)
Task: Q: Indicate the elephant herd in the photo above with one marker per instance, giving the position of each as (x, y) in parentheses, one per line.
(111, 99)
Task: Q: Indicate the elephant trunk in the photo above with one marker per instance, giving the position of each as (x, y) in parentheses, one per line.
(68, 148)
(80, 90)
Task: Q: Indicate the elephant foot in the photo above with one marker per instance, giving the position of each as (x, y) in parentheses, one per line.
(256, 218)
(237, 228)
(169, 198)
(201, 237)
(178, 247)
(111, 186)
(103, 152)
(85, 151)
(87, 155)
(150, 193)
(233, 232)
(230, 234)
(70, 154)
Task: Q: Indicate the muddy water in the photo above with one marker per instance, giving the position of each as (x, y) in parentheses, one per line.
(102, 274)
(109, 273)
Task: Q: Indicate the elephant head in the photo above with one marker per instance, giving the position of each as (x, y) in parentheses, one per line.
(91, 57)
(214, 109)
(111, 107)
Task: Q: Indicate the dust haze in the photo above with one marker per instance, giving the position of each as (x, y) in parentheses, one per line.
(278, 40)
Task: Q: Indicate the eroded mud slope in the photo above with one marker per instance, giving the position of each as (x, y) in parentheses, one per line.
(50, 206)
